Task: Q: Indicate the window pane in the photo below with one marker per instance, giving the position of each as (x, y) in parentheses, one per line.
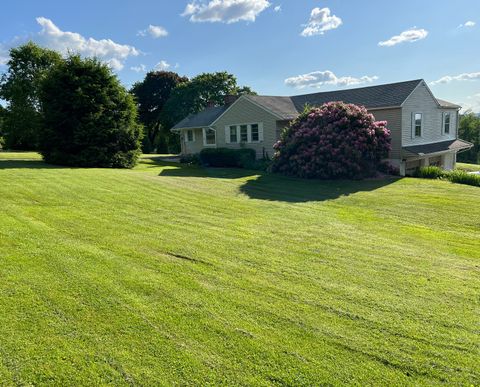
(418, 124)
(189, 135)
(447, 123)
(244, 133)
(210, 136)
(254, 129)
(233, 134)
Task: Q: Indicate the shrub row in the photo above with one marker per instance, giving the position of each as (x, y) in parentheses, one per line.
(228, 158)
(456, 176)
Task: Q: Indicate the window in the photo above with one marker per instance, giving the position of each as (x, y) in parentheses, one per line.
(233, 133)
(418, 118)
(243, 133)
(190, 136)
(255, 135)
(446, 123)
(209, 137)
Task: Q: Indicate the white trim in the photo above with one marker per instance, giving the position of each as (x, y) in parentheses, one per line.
(444, 118)
(204, 135)
(414, 125)
(186, 135)
(249, 133)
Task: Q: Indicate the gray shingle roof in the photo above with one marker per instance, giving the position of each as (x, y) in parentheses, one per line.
(438, 147)
(447, 104)
(389, 95)
(288, 108)
(202, 119)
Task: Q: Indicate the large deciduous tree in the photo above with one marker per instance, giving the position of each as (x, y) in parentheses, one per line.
(151, 95)
(196, 95)
(27, 66)
(336, 140)
(90, 120)
(469, 130)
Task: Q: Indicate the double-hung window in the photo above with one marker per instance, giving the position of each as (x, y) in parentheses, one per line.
(255, 134)
(233, 134)
(209, 136)
(446, 123)
(244, 133)
(190, 135)
(417, 124)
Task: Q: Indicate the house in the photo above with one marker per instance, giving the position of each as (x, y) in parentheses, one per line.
(424, 129)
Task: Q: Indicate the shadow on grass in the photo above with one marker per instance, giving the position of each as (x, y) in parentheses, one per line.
(264, 186)
(27, 164)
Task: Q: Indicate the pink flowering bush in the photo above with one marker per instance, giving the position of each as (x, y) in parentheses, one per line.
(336, 140)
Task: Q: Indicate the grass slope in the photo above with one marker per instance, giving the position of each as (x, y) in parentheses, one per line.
(167, 274)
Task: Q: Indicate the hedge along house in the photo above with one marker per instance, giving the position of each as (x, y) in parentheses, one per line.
(424, 129)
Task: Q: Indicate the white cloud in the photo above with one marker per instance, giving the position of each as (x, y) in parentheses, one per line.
(139, 69)
(162, 66)
(225, 11)
(63, 41)
(320, 21)
(467, 24)
(321, 78)
(473, 104)
(460, 77)
(411, 35)
(277, 8)
(154, 31)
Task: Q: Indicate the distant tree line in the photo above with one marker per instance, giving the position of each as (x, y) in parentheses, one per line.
(76, 112)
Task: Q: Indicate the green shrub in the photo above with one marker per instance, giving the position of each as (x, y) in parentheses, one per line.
(193, 159)
(89, 118)
(227, 158)
(462, 177)
(430, 172)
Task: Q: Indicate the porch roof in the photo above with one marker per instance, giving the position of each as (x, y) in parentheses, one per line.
(437, 147)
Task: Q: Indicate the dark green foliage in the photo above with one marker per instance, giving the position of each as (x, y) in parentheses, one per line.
(3, 112)
(20, 87)
(90, 119)
(194, 96)
(193, 159)
(462, 177)
(151, 95)
(469, 130)
(455, 176)
(430, 172)
(226, 157)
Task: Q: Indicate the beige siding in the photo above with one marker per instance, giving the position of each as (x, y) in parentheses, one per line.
(246, 112)
(195, 146)
(394, 119)
(421, 101)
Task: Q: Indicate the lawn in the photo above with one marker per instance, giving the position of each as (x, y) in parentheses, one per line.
(168, 274)
(469, 167)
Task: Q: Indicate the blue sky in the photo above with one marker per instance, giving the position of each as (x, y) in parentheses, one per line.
(280, 47)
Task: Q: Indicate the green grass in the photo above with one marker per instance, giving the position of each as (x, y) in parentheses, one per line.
(178, 275)
(468, 167)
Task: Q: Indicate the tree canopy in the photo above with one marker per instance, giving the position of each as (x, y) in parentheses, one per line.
(27, 67)
(469, 130)
(194, 96)
(89, 118)
(151, 95)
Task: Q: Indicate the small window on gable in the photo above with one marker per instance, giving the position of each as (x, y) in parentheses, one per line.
(255, 133)
(418, 123)
(243, 133)
(233, 134)
(446, 123)
(190, 137)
